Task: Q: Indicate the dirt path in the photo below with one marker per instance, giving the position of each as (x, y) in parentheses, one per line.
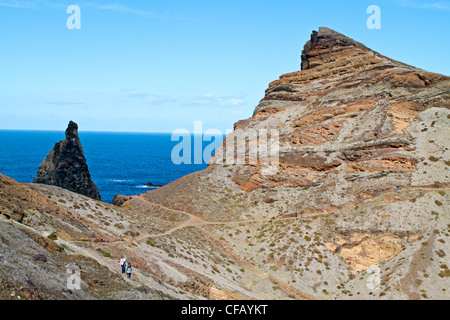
(194, 221)
(137, 279)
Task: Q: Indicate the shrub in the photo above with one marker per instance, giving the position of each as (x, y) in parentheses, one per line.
(53, 236)
(444, 274)
(433, 159)
(215, 269)
(67, 248)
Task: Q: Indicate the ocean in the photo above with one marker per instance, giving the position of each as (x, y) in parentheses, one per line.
(119, 163)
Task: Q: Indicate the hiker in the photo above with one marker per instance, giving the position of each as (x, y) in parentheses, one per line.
(123, 264)
(301, 213)
(129, 270)
(399, 189)
(296, 215)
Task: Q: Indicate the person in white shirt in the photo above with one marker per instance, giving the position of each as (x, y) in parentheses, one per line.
(123, 264)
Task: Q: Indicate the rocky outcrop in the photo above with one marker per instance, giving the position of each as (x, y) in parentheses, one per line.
(65, 166)
(325, 46)
(120, 200)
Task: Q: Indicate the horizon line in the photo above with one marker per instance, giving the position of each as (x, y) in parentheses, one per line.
(93, 131)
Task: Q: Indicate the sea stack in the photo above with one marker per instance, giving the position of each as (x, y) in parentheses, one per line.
(65, 166)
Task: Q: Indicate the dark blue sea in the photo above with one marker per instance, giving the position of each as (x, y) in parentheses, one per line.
(119, 163)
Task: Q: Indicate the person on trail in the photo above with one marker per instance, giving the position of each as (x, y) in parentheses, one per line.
(399, 189)
(123, 264)
(129, 270)
(296, 215)
(301, 213)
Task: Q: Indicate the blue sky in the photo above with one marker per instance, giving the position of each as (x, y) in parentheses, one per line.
(155, 66)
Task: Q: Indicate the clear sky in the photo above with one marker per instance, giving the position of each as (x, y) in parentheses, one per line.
(155, 66)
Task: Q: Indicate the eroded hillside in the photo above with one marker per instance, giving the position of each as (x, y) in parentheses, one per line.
(363, 154)
(363, 163)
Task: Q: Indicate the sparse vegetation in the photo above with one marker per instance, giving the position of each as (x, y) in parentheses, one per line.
(433, 159)
(53, 236)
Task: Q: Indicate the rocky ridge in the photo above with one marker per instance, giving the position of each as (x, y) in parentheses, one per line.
(363, 153)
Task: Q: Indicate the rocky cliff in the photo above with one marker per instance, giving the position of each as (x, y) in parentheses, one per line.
(352, 124)
(363, 154)
(65, 166)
